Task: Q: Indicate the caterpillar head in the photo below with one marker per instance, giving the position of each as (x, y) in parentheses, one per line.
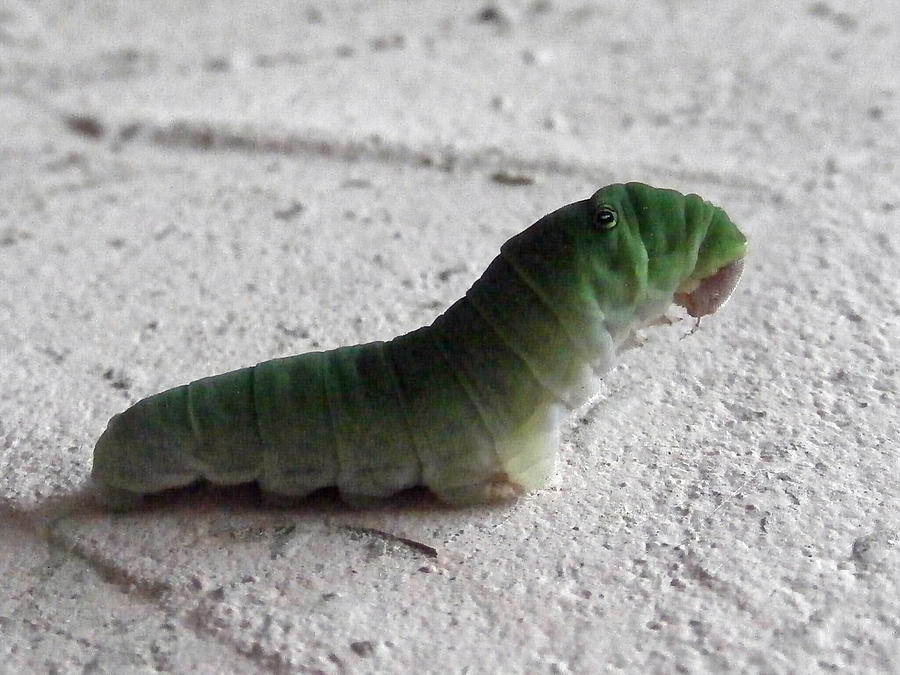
(670, 245)
(620, 258)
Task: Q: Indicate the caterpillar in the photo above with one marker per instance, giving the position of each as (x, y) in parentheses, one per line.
(469, 406)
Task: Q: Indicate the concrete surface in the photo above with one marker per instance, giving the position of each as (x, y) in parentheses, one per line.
(187, 188)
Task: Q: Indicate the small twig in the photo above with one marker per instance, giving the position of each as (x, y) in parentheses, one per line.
(425, 549)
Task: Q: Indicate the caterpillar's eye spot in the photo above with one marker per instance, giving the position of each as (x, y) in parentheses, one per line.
(606, 217)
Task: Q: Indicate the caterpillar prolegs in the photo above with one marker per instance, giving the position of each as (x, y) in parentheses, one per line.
(468, 406)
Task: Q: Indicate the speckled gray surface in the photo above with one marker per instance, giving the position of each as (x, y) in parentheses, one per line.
(184, 191)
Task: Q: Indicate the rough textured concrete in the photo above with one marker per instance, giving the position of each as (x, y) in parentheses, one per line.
(185, 191)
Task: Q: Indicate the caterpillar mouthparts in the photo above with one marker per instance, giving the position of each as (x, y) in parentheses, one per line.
(712, 292)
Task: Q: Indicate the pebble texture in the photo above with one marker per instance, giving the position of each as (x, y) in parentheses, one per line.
(200, 187)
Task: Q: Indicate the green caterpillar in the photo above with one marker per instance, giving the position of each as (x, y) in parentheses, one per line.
(469, 406)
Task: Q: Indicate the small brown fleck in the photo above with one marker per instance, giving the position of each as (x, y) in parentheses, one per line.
(513, 179)
(86, 125)
(363, 647)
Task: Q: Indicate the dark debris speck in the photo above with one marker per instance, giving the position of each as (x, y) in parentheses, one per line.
(512, 179)
(363, 647)
(86, 125)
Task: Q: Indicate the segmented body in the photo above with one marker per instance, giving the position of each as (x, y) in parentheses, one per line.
(469, 406)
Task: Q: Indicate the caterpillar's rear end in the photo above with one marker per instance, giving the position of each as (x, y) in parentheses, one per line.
(206, 429)
(274, 423)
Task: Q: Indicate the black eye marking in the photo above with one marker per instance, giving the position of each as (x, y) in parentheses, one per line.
(606, 217)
